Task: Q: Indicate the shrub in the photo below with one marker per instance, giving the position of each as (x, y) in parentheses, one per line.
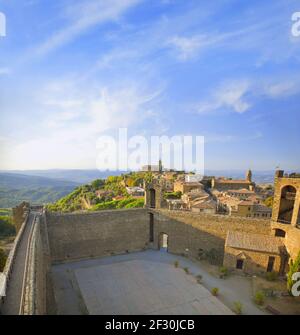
(269, 202)
(176, 264)
(271, 276)
(238, 307)
(259, 298)
(223, 272)
(186, 270)
(215, 291)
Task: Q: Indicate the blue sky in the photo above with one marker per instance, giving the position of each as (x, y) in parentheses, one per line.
(224, 69)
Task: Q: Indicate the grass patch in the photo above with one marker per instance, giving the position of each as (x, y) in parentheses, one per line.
(186, 270)
(215, 291)
(271, 276)
(238, 307)
(259, 298)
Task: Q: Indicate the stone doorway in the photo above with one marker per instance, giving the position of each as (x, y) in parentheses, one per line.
(163, 242)
(152, 198)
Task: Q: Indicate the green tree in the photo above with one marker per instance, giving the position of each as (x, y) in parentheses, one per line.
(269, 202)
(98, 183)
(7, 229)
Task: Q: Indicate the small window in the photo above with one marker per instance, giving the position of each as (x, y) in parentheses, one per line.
(279, 233)
(240, 264)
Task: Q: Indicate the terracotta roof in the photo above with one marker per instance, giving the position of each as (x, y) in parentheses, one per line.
(243, 190)
(257, 207)
(255, 242)
(246, 203)
(232, 181)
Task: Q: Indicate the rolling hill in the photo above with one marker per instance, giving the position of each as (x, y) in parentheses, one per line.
(15, 188)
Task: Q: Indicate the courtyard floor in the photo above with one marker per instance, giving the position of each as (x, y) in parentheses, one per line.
(146, 283)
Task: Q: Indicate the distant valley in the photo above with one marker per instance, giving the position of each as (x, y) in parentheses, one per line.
(15, 188)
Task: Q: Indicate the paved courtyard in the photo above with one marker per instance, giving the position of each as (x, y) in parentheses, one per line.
(140, 283)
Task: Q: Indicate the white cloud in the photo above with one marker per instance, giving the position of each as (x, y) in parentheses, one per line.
(83, 16)
(67, 135)
(187, 48)
(283, 88)
(231, 96)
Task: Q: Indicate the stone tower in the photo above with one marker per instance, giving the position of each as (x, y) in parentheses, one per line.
(160, 166)
(249, 176)
(154, 191)
(286, 211)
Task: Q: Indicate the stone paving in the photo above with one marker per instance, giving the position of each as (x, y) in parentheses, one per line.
(132, 284)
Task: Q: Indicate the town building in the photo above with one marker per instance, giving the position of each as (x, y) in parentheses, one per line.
(225, 184)
(251, 209)
(257, 253)
(185, 187)
(254, 253)
(205, 207)
(135, 191)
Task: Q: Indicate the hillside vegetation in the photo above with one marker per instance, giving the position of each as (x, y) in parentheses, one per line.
(7, 232)
(7, 229)
(103, 194)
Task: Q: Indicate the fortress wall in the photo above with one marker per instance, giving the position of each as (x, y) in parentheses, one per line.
(105, 233)
(188, 232)
(38, 266)
(97, 234)
(291, 240)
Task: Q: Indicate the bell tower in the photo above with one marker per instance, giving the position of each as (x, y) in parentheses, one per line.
(249, 176)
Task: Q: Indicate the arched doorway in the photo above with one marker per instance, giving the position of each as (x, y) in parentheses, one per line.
(152, 197)
(163, 242)
(287, 201)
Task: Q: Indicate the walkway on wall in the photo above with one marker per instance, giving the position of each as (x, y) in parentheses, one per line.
(14, 291)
